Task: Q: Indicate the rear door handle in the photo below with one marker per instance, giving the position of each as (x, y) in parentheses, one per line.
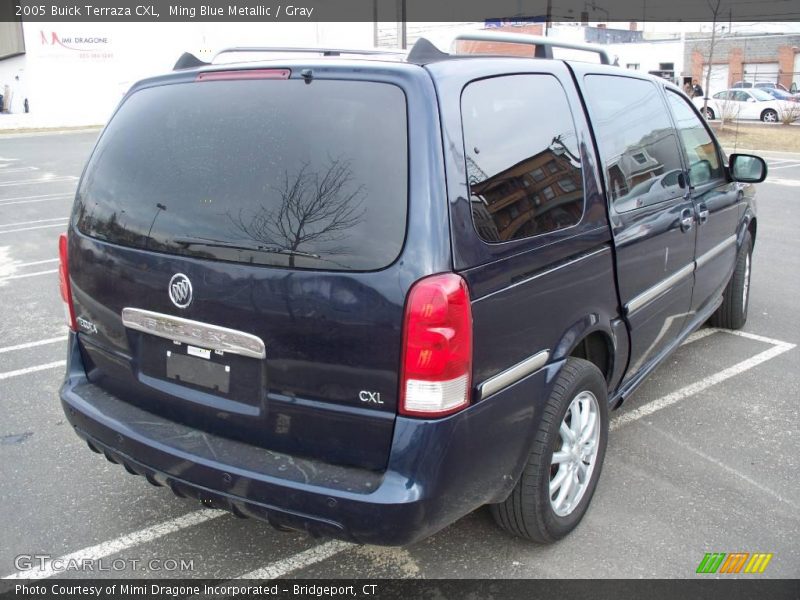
(702, 214)
(683, 183)
(687, 219)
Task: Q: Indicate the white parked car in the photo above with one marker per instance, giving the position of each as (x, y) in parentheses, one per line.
(750, 103)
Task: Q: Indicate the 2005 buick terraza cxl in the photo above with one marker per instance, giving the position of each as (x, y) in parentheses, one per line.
(362, 295)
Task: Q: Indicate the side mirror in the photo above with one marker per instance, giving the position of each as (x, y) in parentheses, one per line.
(751, 99)
(747, 168)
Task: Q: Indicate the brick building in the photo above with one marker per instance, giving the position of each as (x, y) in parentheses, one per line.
(768, 57)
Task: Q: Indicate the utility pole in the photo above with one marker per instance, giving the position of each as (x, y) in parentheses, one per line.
(374, 23)
(548, 17)
(715, 10)
(403, 25)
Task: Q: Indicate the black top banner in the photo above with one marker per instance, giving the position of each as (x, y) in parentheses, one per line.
(398, 10)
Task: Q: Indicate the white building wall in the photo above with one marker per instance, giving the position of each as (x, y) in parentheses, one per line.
(76, 73)
(648, 55)
(10, 69)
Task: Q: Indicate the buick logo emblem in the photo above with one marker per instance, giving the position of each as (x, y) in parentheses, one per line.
(180, 290)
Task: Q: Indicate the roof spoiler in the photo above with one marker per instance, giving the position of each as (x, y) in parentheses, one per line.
(188, 61)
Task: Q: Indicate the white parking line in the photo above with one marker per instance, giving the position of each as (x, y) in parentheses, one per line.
(779, 181)
(24, 275)
(5, 169)
(37, 181)
(59, 197)
(794, 166)
(683, 444)
(121, 543)
(699, 335)
(18, 223)
(778, 348)
(62, 225)
(34, 369)
(34, 197)
(755, 336)
(33, 344)
(298, 561)
(35, 262)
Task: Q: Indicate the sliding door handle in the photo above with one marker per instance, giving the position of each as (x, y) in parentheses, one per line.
(687, 219)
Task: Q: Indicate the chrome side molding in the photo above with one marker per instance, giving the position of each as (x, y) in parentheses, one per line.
(662, 286)
(187, 331)
(665, 284)
(513, 374)
(716, 250)
(547, 272)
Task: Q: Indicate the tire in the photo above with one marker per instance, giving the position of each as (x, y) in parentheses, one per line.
(530, 511)
(709, 114)
(732, 313)
(769, 116)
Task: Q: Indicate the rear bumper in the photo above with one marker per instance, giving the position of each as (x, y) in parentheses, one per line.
(437, 472)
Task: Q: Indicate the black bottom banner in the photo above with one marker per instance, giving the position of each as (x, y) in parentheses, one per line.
(434, 589)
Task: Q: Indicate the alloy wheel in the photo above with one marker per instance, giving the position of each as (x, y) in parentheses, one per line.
(575, 457)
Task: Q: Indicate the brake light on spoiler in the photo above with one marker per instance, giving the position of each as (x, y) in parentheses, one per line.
(244, 74)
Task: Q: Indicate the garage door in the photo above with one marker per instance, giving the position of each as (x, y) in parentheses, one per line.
(755, 72)
(719, 79)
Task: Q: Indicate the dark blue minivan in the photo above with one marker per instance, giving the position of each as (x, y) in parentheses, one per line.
(361, 295)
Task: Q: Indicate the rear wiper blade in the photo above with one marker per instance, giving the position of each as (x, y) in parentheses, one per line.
(200, 241)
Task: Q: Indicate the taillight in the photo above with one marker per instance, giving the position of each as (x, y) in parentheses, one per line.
(63, 282)
(437, 348)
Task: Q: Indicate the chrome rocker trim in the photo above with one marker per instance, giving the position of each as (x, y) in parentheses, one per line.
(513, 374)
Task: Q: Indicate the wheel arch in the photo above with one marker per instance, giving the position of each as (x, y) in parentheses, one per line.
(748, 224)
(595, 347)
(768, 110)
(752, 227)
(592, 339)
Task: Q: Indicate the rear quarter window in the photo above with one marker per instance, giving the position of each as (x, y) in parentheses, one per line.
(278, 173)
(523, 164)
(637, 142)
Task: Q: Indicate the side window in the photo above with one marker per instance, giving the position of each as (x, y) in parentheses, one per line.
(701, 152)
(637, 143)
(740, 96)
(522, 158)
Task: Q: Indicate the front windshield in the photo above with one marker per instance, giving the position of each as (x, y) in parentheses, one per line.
(760, 95)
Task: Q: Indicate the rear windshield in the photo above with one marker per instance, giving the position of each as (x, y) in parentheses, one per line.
(272, 172)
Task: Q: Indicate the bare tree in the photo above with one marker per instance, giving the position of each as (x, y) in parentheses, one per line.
(315, 207)
(789, 112)
(714, 8)
(729, 111)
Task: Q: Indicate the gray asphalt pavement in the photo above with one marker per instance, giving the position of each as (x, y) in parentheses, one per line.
(702, 459)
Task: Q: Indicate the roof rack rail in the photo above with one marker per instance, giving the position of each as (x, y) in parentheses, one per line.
(322, 51)
(425, 52)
